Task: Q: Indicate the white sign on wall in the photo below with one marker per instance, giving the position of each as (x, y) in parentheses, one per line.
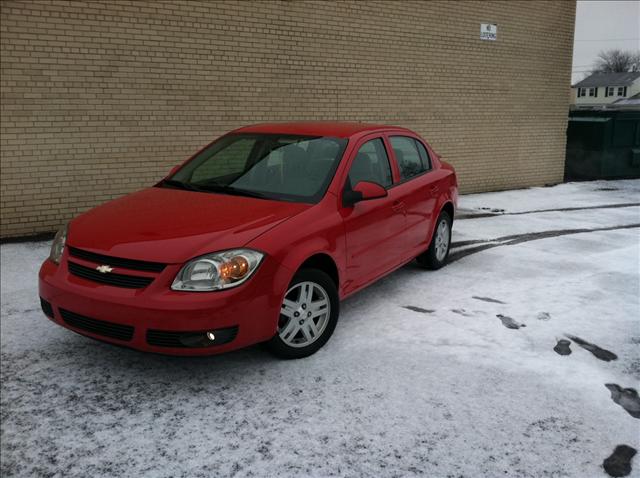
(488, 31)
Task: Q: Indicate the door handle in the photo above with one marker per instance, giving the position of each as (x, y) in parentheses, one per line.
(397, 206)
(435, 189)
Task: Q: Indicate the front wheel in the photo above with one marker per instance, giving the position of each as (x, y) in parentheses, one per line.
(308, 315)
(436, 256)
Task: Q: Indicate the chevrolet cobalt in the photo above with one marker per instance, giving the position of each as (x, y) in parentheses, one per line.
(255, 238)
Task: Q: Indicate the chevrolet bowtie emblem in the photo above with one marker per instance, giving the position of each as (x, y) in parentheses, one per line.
(104, 269)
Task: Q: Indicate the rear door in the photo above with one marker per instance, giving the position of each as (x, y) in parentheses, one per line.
(417, 189)
(374, 229)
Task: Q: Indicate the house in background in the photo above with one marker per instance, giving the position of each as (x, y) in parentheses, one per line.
(603, 136)
(601, 90)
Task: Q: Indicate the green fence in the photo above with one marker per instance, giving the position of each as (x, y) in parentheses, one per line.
(603, 145)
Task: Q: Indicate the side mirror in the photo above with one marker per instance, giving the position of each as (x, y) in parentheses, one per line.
(363, 191)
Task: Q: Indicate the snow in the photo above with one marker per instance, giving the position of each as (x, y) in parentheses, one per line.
(395, 392)
(581, 194)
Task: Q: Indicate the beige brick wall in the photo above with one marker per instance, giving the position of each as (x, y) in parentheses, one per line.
(100, 99)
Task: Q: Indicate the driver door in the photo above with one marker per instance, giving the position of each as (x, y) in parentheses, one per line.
(374, 229)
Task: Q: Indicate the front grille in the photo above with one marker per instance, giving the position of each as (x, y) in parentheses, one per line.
(117, 261)
(46, 308)
(117, 280)
(168, 338)
(98, 327)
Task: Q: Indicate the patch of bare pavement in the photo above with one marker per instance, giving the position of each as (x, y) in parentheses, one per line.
(509, 323)
(619, 462)
(627, 398)
(418, 309)
(488, 299)
(563, 347)
(598, 352)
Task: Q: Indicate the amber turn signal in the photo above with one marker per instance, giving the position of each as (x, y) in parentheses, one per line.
(236, 268)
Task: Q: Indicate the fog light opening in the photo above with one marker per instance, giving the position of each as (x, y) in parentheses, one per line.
(211, 336)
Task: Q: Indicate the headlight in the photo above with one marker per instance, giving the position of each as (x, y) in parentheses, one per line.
(220, 270)
(57, 247)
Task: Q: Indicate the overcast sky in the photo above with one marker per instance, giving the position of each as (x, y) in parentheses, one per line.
(602, 25)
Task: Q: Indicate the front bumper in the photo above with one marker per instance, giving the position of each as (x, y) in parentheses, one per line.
(158, 319)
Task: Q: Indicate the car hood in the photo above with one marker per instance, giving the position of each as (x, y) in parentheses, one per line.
(172, 226)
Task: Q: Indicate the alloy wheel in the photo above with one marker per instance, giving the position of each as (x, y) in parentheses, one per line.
(442, 240)
(304, 314)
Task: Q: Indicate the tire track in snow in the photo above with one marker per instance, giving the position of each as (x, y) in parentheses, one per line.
(498, 212)
(485, 244)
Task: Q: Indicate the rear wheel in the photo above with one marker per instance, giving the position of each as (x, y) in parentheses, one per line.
(308, 315)
(436, 256)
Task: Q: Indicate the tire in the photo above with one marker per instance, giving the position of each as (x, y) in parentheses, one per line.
(436, 256)
(306, 322)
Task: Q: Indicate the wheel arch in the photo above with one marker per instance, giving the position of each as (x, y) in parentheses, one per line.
(448, 208)
(325, 263)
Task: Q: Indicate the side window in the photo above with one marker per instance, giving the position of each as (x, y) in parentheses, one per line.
(407, 155)
(371, 164)
(424, 155)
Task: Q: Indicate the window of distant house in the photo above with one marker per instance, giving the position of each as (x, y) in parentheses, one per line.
(593, 92)
(582, 92)
(622, 91)
(610, 91)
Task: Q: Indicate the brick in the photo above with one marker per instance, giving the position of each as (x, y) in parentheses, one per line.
(103, 98)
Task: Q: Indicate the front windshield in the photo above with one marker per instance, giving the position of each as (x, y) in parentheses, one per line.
(283, 167)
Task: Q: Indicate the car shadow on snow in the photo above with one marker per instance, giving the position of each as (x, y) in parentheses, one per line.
(97, 359)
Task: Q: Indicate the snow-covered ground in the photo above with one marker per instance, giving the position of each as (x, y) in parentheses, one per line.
(439, 374)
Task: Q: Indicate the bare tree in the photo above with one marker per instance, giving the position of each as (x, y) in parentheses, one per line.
(617, 61)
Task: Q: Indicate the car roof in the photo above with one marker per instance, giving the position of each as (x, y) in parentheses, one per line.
(339, 129)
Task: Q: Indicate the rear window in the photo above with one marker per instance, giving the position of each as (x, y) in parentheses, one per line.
(410, 161)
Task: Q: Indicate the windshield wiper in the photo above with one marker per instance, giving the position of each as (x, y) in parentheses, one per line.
(215, 188)
(221, 188)
(180, 185)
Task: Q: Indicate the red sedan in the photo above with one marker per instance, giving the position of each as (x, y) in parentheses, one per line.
(256, 238)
